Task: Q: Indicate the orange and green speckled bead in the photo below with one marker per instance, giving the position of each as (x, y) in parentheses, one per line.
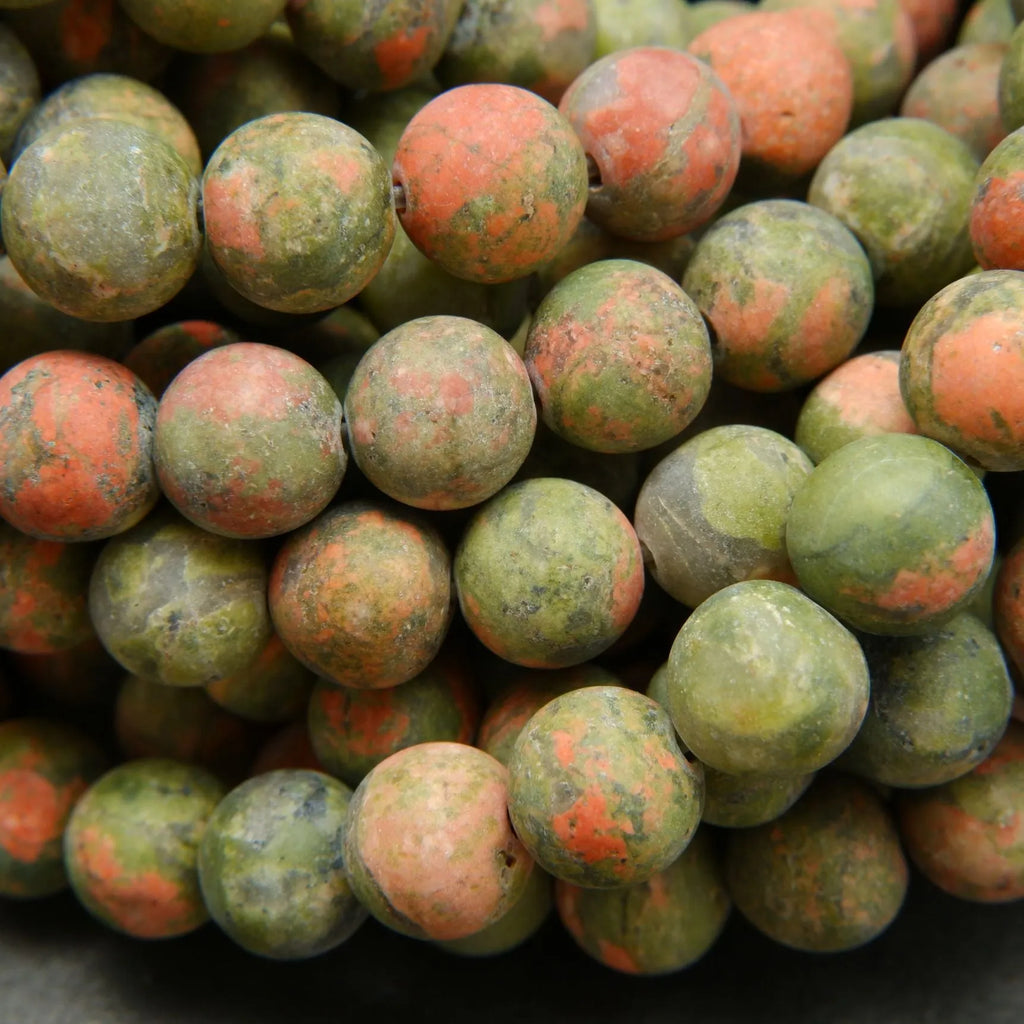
(528, 691)
(43, 587)
(76, 447)
(959, 90)
(440, 413)
(36, 326)
(353, 730)
(663, 132)
(219, 92)
(828, 875)
(271, 869)
(600, 790)
(429, 847)
(45, 767)
(152, 719)
(987, 21)
(786, 289)
(362, 594)
(541, 45)
(142, 881)
(1008, 605)
(997, 212)
(410, 285)
(967, 835)
(493, 180)
(519, 923)
(657, 926)
(273, 688)
(253, 461)
(163, 353)
(298, 211)
(71, 38)
(373, 48)
(619, 357)
(859, 397)
(548, 573)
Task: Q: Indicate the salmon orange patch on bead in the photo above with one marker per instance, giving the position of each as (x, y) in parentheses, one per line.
(861, 396)
(429, 847)
(658, 926)
(997, 210)
(793, 87)
(491, 181)
(76, 447)
(933, 22)
(663, 135)
(962, 369)
(878, 39)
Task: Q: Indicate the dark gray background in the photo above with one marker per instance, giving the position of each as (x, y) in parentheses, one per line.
(943, 961)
